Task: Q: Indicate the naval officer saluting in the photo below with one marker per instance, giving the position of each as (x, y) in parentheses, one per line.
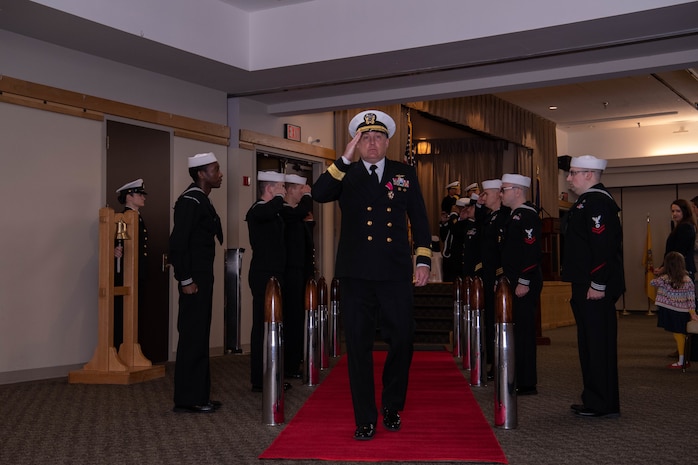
(374, 263)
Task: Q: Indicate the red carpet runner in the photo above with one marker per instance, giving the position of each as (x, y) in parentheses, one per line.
(441, 421)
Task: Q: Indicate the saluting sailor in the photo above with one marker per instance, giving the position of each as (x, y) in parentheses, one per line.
(374, 263)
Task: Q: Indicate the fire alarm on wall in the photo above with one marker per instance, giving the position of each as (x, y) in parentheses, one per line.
(245, 180)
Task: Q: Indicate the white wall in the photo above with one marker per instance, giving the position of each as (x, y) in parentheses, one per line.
(633, 141)
(44, 63)
(52, 179)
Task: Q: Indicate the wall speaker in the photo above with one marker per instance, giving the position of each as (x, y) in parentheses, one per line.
(563, 162)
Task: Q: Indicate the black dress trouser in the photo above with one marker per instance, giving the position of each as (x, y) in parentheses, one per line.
(192, 377)
(597, 338)
(364, 306)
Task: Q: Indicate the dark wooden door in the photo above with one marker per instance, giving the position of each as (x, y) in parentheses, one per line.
(135, 152)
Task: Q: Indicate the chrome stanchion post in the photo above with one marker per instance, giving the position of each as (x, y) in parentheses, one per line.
(505, 406)
(478, 376)
(273, 390)
(465, 321)
(323, 324)
(311, 356)
(457, 306)
(335, 343)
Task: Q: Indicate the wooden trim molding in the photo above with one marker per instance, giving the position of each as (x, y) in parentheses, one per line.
(19, 92)
(249, 139)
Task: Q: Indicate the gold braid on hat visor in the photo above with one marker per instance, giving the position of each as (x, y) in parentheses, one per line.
(373, 127)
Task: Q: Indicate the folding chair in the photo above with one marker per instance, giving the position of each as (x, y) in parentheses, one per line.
(691, 328)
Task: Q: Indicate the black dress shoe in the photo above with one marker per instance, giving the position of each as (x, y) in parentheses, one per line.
(365, 432)
(294, 375)
(587, 412)
(526, 391)
(391, 419)
(216, 404)
(287, 386)
(194, 408)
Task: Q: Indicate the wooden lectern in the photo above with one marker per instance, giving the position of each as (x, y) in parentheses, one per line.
(129, 365)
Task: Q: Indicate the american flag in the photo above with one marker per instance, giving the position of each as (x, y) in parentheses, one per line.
(409, 148)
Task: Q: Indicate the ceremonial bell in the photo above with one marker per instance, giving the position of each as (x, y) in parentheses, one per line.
(121, 236)
(121, 233)
(273, 386)
(505, 408)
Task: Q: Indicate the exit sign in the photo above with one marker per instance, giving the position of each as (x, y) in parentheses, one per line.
(292, 132)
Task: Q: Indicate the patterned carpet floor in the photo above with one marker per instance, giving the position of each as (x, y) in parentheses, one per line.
(54, 422)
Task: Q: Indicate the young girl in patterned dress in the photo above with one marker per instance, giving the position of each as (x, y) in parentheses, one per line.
(676, 301)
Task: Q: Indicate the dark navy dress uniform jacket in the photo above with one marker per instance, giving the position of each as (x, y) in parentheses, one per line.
(375, 242)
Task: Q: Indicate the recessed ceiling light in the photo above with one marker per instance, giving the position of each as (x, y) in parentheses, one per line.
(552, 107)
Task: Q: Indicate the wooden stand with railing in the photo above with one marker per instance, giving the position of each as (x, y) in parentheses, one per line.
(129, 365)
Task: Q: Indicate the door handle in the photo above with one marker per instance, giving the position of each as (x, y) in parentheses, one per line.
(165, 263)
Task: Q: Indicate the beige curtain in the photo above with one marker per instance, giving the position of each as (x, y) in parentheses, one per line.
(502, 120)
(464, 160)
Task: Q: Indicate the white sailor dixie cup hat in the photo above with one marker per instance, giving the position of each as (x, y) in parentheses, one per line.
(588, 162)
(491, 184)
(295, 179)
(201, 159)
(133, 187)
(517, 179)
(372, 120)
(454, 184)
(271, 176)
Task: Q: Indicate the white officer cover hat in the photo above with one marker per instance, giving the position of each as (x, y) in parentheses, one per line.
(471, 186)
(588, 162)
(453, 184)
(517, 179)
(372, 120)
(492, 184)
(271, 176)
(201, 159)
(137, 187)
